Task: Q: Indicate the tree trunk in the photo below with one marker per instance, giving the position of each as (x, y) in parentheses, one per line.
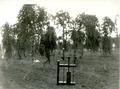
(47, 53)
(19, 54)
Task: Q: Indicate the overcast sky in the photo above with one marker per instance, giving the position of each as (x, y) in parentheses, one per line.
(9, 8)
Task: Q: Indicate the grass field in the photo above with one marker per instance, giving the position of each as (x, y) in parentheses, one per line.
(92, 72)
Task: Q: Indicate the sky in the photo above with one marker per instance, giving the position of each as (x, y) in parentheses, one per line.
(9, 8)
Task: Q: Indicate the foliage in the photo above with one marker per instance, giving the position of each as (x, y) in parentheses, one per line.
(90, 25)
(77, 35)
(107, 29)
(8, 40)
(41, 22)
(106, 44)
(108, 26)
(62, 19)
(26, 19)
(31, 22)
(48, 41)
(33, 33)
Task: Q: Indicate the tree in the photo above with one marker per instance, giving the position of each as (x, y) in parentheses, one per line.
(41, 23)
(90, 23)
(26, 19)
(49, 42)
(8, 40)
(14, 36)
(77, 35)
(31, 22)
(62, 19)
(107, 28)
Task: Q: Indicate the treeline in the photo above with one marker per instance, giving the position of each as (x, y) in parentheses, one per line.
(33, 34)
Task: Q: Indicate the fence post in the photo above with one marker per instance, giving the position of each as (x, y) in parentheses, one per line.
(75, 59)
(58, 62)
(68, 72)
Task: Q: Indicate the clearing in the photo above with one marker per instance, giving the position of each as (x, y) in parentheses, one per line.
(93, 72)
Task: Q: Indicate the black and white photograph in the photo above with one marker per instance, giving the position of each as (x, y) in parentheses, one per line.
(59, 44)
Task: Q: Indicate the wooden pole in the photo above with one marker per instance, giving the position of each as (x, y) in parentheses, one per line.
(63, 45)
(73, 67)
(68, 64)
(68, 73)
(58, 62)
